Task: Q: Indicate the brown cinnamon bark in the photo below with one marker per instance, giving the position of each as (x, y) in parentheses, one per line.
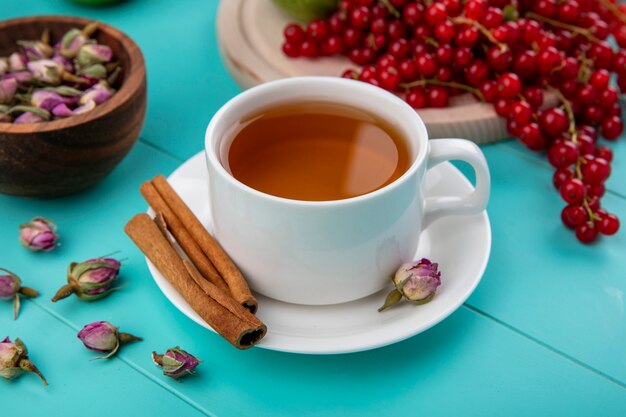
(225, 266)
(236, 324)
(182, 236)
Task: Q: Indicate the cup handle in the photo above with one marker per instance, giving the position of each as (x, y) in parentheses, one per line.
(441, 150)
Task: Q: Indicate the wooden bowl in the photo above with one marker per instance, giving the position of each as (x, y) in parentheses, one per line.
(61, 157)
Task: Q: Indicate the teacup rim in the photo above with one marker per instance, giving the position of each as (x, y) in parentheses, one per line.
(291, 82)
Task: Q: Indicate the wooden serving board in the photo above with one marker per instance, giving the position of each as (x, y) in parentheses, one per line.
(250, 38)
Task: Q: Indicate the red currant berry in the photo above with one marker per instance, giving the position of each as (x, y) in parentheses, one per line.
(468, 37)
(293, 33)
(593, 114)
(546, 8)
(596, 171)
(586, 232)
(573, 191)
(608, 97)
(574, 215)
(568, 11)
(563, 154)
(317, 30)
(309, 49)
(332, 45)
(501, 106)
(426, 65)
(602, 54)
(361, 17)
(396, 29)
(444, 74)
(600, 79)
(509, 85)
(475, 9)
(553, 121)
(388, 78)
(438, 96)
(435, 14)
(609, 225)
(350, 74)
(489, 90)
(463, 57)
(560, 175)
(525, 64)
(417, 98)
(605, 153)
(534, 96)
(531, 32)
(444, 55)
(586, 144)
(292, 50)
(548, 60)
(532, 137)
(445, 31)
(352, 37)
(596, 190)
(612, 127)
(492, 18)
(499, 59)
(412, 14)
(520, 112)
(408, 70)
(477, 72)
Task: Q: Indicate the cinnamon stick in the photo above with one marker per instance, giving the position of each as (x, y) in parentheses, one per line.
(182, 236)
(225, 266)
(236, 324)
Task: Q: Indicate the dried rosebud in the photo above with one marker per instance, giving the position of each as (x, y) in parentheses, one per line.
(28, 117)
(5, 118)
(39, 235)
(35, 50)
(67, 64)
(47, 99)
(97, 71)
(176, 362)
(71, 43)
(47, 71)
(14, 360)
(11, 288)
(62, 110)
(8, 87)
(416, 281)
(103, 337)
(91, 54)
(99, 93)
(22, 77)
(90, 280)
(17, 62)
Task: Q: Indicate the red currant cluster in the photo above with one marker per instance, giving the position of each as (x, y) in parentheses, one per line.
(504, 52)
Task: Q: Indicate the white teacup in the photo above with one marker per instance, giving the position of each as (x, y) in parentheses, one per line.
(327, 252)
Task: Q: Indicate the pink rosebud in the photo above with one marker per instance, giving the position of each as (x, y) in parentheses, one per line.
(8, 87)
(39, 235)
(35, 50)
(416, 281)
(71, 43)
(11, 289)
(47, 100)
(90, 280)
(22, 77)
(62, 110)
(47, 71)
(99, 93)
(176, 362)
(14, 360)
(91, 54)
(17, 62)
(102, 336)
(67, 64)
(28, 117)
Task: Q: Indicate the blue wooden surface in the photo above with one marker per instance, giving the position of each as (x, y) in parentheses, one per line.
(544, 333)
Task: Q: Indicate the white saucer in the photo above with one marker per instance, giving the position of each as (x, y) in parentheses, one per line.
(460, 245)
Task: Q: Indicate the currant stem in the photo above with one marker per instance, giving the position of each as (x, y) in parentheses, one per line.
(556, 23)
(567, 106)
(451, 84)
(390, 7)
(614, 9)
(464, 20)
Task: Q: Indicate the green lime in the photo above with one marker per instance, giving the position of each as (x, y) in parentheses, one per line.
(306, 10)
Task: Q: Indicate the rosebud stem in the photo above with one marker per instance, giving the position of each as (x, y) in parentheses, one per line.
(392, 299)
(28, 292)
(16, 306)
(90, 29)
(157, 359)
(64, 292)
(45, 37)
(127, 338)
(28, 366)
